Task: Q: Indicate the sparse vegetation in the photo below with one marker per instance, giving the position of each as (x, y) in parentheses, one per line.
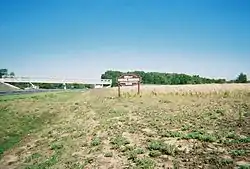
(238, 152)
(108, 154)
(96, 141)
(178, 127)
(145, 163)
(154, 153)
(247, 166)
(162, 147)
(119, 141)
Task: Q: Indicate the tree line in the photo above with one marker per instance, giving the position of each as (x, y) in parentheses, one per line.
(5, 73)
(170, 78)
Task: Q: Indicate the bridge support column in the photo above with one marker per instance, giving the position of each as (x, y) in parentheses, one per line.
(64, 86)
(33, 86)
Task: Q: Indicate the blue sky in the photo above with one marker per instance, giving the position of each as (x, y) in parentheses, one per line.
(83, 38)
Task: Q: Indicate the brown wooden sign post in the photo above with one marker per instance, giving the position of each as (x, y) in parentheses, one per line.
(128, 80)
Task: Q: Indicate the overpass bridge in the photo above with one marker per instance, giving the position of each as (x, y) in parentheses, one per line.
(96, 82)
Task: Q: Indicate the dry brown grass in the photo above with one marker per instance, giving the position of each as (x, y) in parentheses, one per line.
(206, 88)
(200, 126)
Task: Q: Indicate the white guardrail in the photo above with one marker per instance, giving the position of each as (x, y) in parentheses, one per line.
(54, 80)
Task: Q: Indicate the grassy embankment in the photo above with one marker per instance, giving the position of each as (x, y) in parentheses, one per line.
(177, 127)
(4, 87)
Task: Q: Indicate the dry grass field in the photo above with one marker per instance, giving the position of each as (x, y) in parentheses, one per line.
(196, 126)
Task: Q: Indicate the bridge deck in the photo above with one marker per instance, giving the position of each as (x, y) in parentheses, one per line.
(55, 80)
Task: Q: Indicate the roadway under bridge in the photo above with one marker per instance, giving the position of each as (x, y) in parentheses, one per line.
(98, 83)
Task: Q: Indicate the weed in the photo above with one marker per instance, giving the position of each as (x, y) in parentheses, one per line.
(238, 152)
(169, 149)
(219, 111)
(185, 127)
(119, 141)
(46, 164)
(231, 135)
(56, 146)
(108, 154)
(51, 161)
(131, 129)
(247, 114)
(241, 140)
(154, 153)
(171, 134)
(139, 151)
(32, 157)
(246, 166)
(145, 163)
(155, 145)
(162, 147)
(132, 155)
(226, 94)
(225, 162)
(200, 136)
(133, 152)
(95, 141)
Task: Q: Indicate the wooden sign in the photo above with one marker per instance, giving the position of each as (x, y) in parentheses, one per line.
(128, 80)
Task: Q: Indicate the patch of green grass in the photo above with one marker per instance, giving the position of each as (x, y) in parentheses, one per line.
(240, 140)
(132, 152)
(185, 127)
(164, 148)
(132, 155)
(246, 166)
(155, 145)
(169, 149)
(171, 134)
(13, 126)
(139, 151)
(32, 157)
(238, 152)
(144, 163)
(56, 146)
(225, 162)
(119, 141)
(46, 164)
(95, 141)
(200, 136)
(231, 135)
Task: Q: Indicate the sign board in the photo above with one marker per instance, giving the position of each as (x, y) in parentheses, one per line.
(128, 80)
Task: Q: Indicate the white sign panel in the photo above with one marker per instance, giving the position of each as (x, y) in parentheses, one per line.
(128, 84)
(129, 80)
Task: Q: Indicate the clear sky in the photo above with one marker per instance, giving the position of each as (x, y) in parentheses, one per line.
(83, 38)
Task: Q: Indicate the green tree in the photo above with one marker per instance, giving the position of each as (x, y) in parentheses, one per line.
(3, 72)
(12, 74)
(242, 78)
(112, 75)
